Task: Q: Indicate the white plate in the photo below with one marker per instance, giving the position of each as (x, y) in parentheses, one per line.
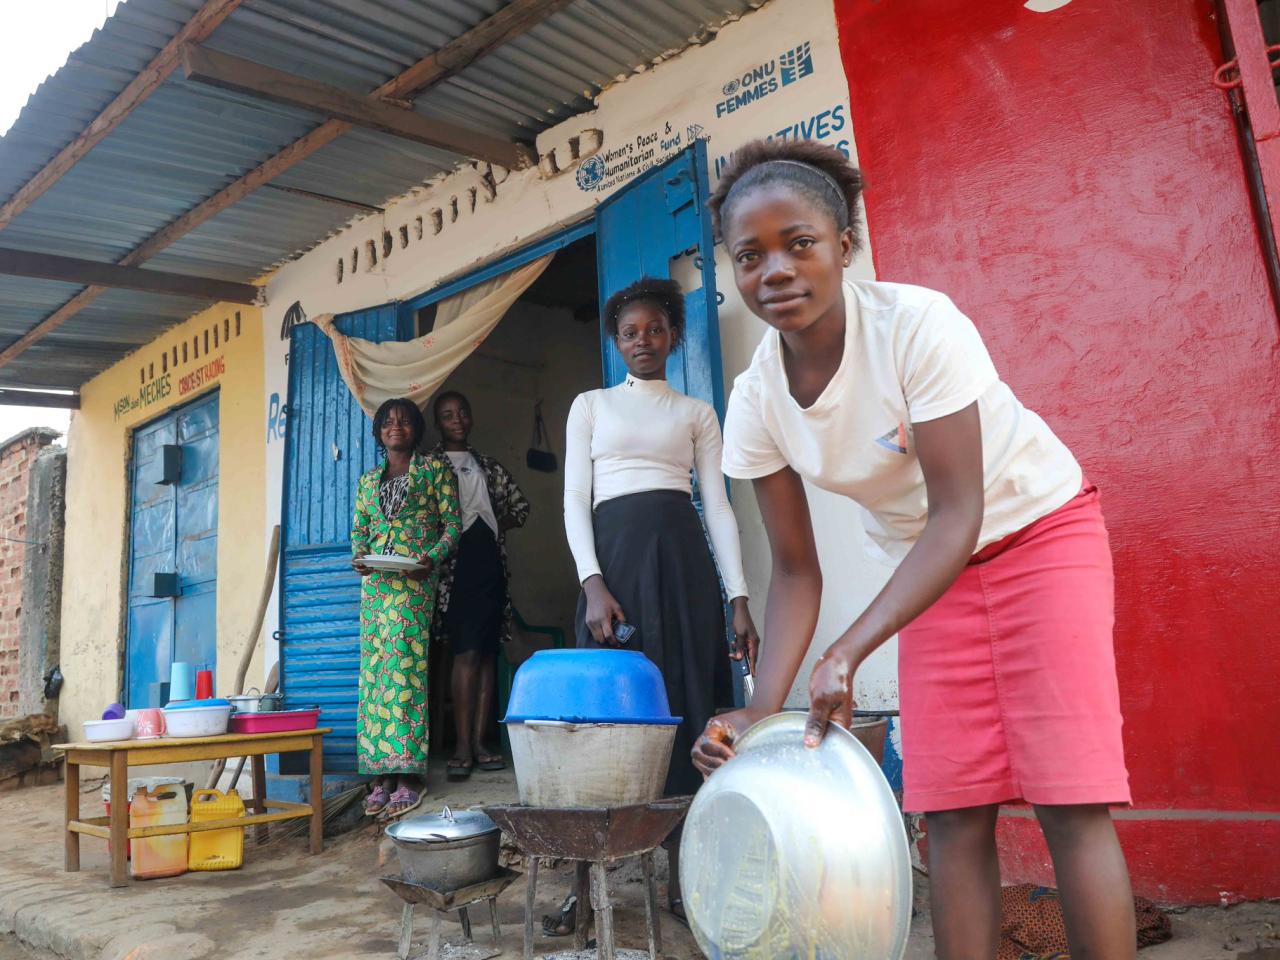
(391, 563)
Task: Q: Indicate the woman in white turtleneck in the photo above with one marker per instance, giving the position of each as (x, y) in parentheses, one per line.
(640, 549)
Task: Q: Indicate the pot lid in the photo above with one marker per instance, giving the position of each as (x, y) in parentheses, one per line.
(442, 826)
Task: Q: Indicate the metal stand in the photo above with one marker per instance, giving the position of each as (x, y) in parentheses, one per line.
(593, 838)
(441, 903)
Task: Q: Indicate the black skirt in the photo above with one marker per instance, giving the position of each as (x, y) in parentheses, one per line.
(656, 562)
(478, 599)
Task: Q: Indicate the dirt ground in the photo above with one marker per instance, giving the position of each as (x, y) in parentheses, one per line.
(285, 904)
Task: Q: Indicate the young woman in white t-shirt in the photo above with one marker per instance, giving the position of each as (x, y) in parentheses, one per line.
(637, 540)
(1003, 594)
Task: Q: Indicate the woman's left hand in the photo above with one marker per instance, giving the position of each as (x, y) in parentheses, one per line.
(831, 692)
(428, 567)
(746, 641)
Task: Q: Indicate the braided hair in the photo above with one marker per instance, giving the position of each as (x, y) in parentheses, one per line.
(822, 174)
(666, 295)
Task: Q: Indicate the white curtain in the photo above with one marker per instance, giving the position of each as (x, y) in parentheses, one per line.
(377, 372)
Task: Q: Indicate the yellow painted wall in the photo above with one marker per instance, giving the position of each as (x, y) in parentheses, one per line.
(133, 392)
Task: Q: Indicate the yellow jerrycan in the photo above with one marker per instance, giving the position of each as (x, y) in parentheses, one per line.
(216, 849)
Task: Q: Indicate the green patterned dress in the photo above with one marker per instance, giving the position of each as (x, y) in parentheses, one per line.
(396, 613)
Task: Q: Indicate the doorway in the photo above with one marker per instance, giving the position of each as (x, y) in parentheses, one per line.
(544, 353)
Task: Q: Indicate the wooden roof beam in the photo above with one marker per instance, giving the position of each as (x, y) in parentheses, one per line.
(218, 69)
(511, 21)
(195, 30)
(44, 266)
(39, 398)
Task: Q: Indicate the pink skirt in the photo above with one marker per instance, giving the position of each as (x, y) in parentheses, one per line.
(1008, 682)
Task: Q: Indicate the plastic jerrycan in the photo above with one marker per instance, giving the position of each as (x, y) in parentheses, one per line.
(216, 849)
(164, 856)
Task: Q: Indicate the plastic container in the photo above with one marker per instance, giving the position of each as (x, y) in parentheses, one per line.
(560, 764)
(275, 721)
(158, 856)
(182, 681)
(590, 686)
(197, 718)
(216, 849)
(136, 784)
(101, 731)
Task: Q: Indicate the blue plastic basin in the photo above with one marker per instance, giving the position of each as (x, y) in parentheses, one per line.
(589, 686)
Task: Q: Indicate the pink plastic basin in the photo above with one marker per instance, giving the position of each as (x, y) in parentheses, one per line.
(274, 721)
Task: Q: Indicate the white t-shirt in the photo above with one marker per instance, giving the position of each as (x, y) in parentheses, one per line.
(473, 491)
(910, 356)
(638, 436)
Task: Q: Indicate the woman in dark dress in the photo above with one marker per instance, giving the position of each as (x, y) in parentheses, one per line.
(474, 601)
(640, 548)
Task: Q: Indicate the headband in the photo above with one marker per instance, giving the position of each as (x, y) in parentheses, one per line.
(827, 179)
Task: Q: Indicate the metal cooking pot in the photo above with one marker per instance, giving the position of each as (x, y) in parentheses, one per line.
(447, 851)
(255, 702)
(790, 851)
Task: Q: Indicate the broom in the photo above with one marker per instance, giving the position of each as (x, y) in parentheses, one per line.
(268, 583)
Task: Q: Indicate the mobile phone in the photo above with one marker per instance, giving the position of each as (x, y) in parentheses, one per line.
(623, 632)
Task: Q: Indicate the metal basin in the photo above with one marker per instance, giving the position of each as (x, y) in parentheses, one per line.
(791, 852)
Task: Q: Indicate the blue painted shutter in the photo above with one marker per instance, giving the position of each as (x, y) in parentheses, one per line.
(173, 528)
(660, 215)
(328, 445)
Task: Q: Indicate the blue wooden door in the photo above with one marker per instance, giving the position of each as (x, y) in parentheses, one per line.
(173, 549)
(328, 445)
(662, 215)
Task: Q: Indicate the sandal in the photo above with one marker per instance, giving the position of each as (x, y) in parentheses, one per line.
(491, 761)
(401, 802)
(459, 769)
(376, 801)
(563, 923)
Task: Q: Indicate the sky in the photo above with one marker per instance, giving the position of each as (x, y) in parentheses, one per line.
(34, 42)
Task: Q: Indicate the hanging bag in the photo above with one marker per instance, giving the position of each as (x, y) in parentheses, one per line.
(540, 457)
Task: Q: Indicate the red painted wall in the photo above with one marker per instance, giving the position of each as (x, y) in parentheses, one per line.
(1074, 182)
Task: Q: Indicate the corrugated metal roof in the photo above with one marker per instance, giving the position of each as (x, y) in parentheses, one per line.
(187, 141)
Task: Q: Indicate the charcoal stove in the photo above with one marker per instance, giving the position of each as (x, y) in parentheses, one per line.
(592, 838)
(414, 894)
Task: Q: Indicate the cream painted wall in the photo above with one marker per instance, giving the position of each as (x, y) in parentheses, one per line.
(474, 216)
(112, 405)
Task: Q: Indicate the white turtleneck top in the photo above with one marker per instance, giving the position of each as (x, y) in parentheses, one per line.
(641, 435)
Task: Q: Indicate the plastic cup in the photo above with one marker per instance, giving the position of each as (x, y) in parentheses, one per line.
(204, 684)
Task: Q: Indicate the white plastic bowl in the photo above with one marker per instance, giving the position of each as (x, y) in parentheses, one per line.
(196, 721)
(100, 731)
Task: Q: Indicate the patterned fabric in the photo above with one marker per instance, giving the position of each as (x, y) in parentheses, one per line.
(391, 497)
(1032, 926)
(396, 612)
(511, 510)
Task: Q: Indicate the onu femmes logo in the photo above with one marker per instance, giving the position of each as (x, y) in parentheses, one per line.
(758, 82)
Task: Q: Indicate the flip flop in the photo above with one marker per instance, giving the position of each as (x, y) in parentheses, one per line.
(563, 923)
(491, 761)
(404, 800)
(376, 801)
(459, 769)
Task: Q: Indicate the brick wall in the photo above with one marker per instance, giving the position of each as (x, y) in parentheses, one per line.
(16, 458)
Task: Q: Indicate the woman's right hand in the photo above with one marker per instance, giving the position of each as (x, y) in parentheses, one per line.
(603, 611)
(360, 568)
(714, 747)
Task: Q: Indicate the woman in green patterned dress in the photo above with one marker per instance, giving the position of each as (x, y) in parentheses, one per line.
(407, 506)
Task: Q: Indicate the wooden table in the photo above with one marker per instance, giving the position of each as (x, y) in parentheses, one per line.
(119, 755)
